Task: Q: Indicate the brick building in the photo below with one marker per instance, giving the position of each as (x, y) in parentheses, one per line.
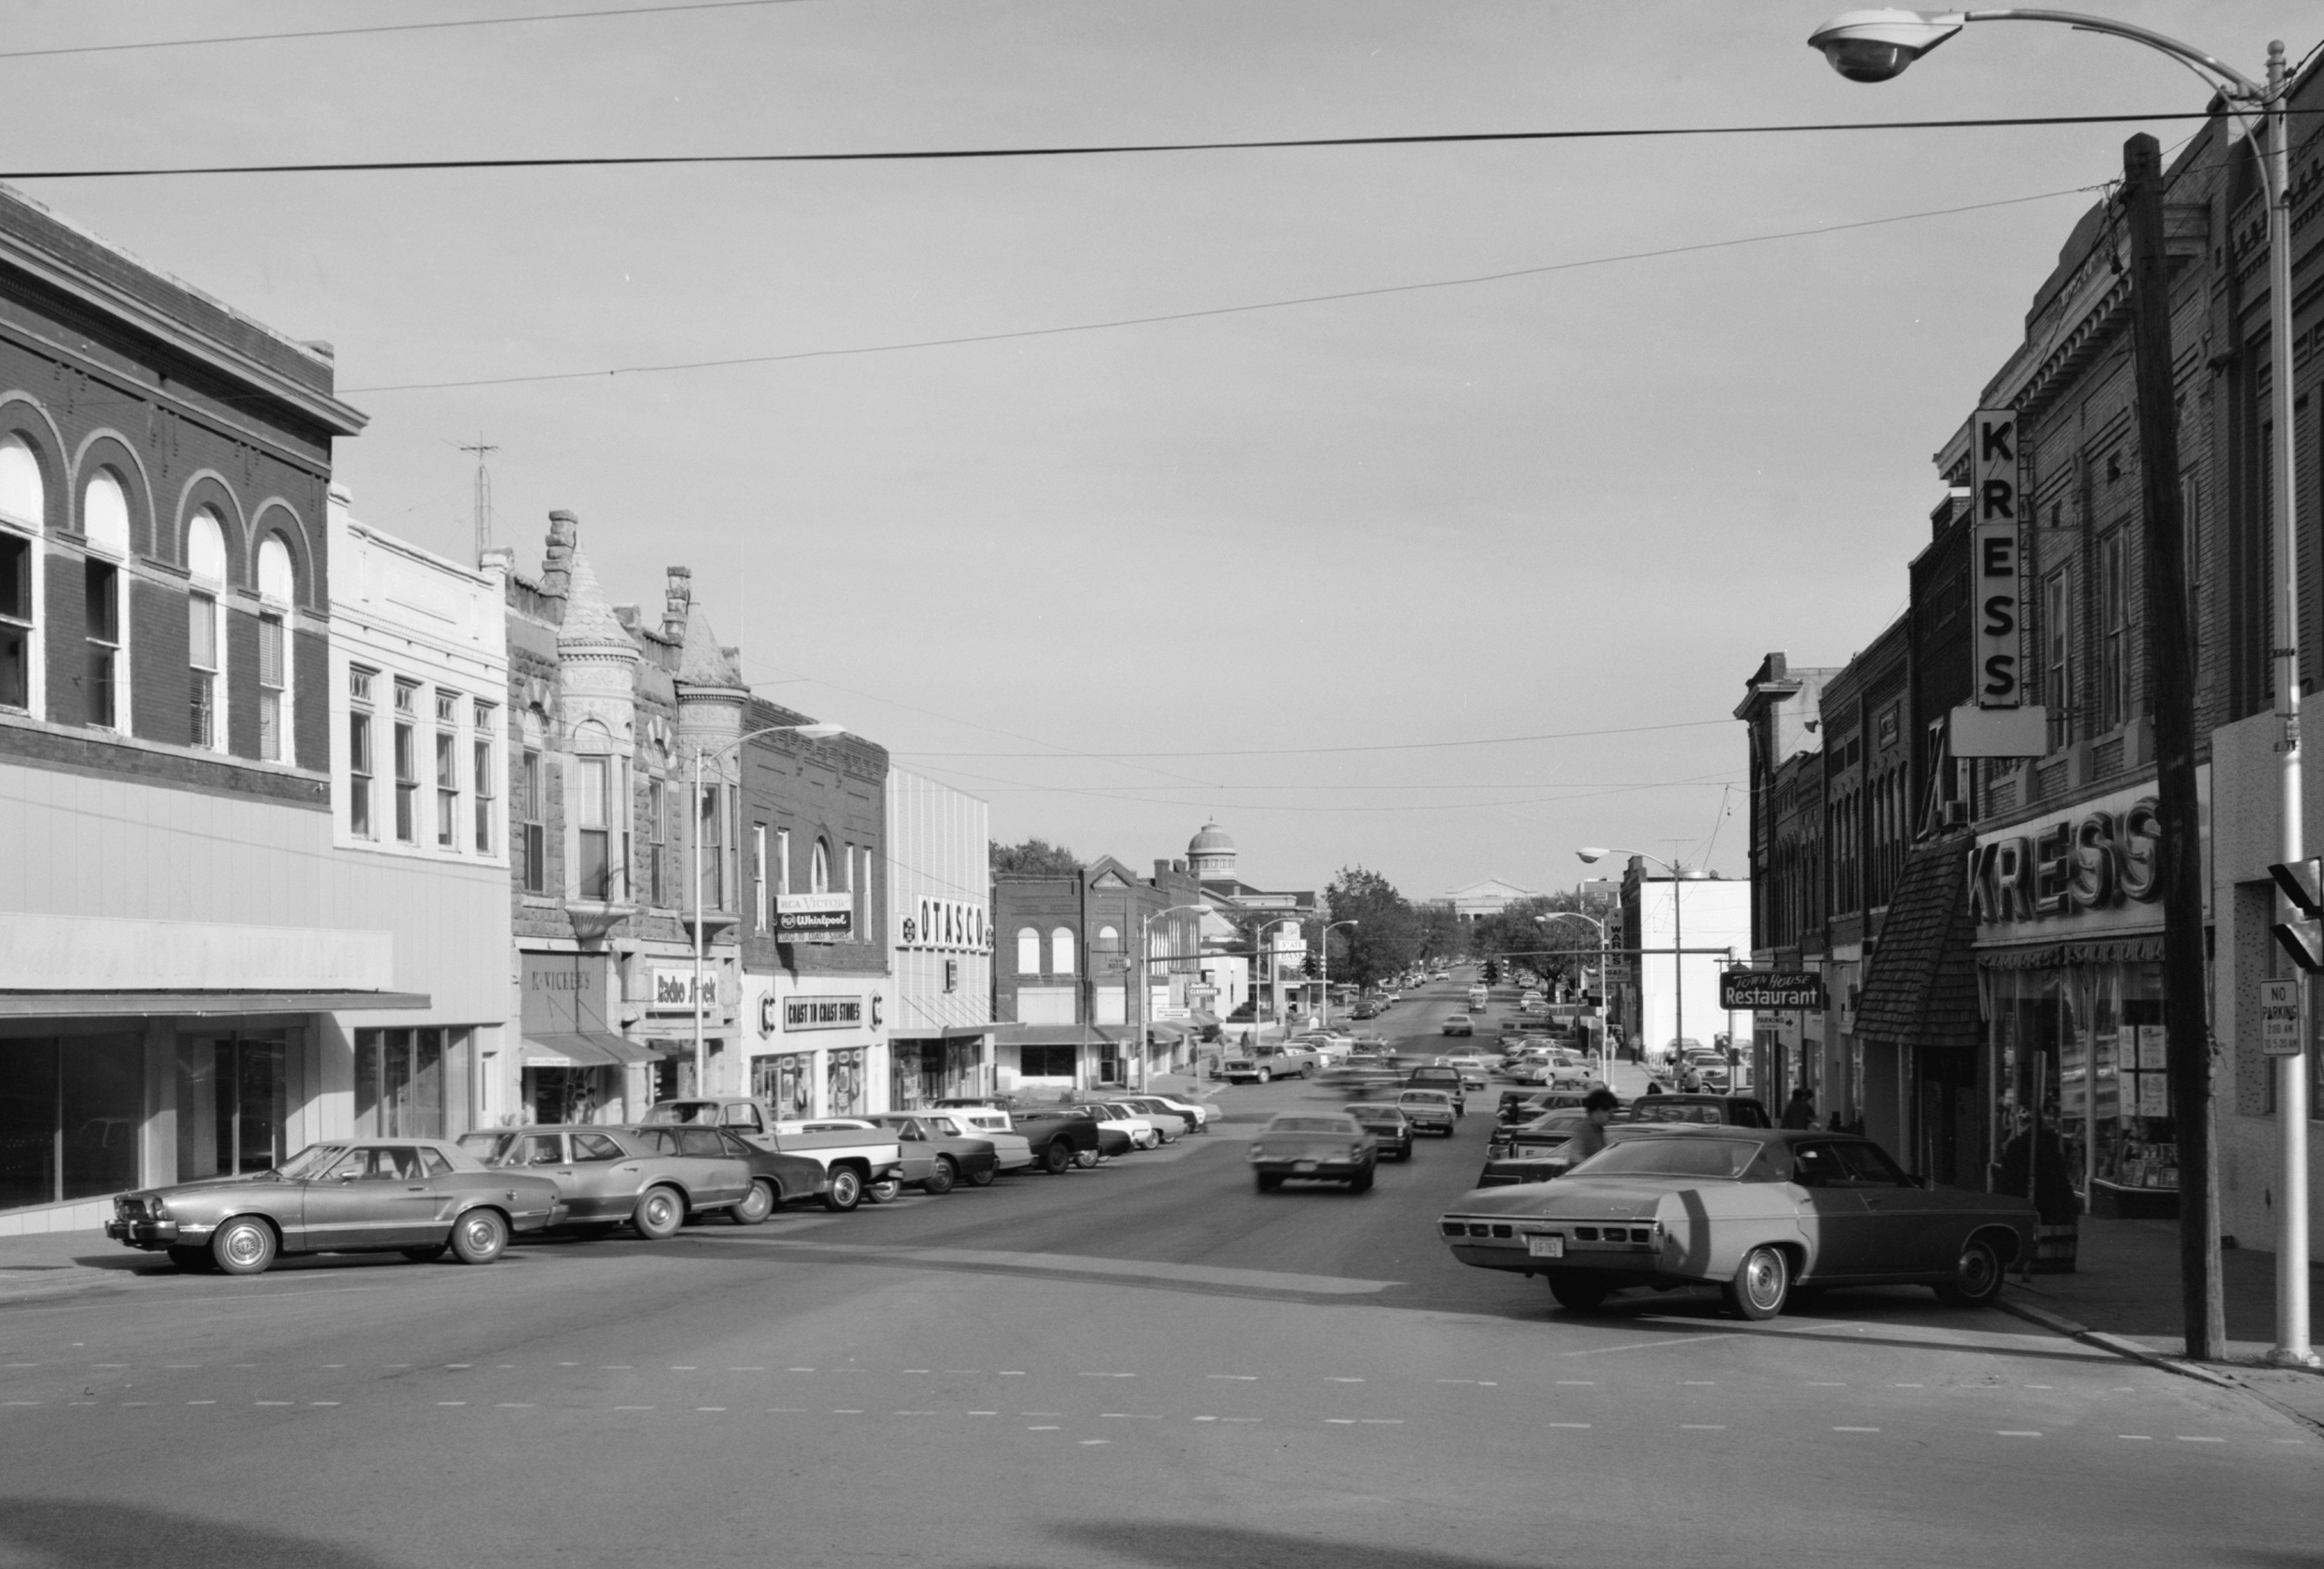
(175, 927)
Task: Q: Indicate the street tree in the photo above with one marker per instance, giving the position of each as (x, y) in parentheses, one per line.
(1386, 938)
(1033, 858)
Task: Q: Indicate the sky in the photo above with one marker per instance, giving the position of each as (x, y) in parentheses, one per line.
(1443, 581)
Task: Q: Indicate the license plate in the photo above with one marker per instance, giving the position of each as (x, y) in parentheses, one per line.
(1302, 1165)
(1545, 1246)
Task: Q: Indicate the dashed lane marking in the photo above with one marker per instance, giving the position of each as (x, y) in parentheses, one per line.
(710, 1408)
(846, 1411)
(1130, 1415)
(1856, 1430)
(1087, 1442)
(2137, 1438)
(1237, 1377)
(2014, 1433)
(513, 1405)
(253, 1402)
(985, 1413)
(1569, 1424)
(1051, 1428)
(1702, 1426)
(634, 1408)
(2183, 1438)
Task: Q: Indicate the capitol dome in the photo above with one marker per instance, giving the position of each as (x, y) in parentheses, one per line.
(1212, 853)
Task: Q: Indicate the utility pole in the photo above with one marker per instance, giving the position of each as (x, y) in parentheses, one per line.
(2170, 666)
(483, 494)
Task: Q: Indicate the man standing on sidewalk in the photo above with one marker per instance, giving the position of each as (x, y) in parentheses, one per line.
(1800, 1112)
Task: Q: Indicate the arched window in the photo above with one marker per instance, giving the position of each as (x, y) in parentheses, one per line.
(23, 494)
(1108, 940)
(276, 587)
(204, 629)
(104, 521)
(818, 869)
(24, 505)
(1029, 951)
(104, 513)
(1061, 951)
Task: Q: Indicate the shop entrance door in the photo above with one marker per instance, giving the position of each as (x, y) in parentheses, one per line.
(232, 1102)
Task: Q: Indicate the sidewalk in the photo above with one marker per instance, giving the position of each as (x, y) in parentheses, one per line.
(2125, 1291)
(46, 1265)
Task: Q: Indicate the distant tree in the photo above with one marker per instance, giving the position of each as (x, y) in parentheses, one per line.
(1033, 858)
(1437, 932)
(1516, 932)
(1386, 939)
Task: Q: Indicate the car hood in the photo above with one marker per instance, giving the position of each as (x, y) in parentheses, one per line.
(1577, 1197)
(212, 1185)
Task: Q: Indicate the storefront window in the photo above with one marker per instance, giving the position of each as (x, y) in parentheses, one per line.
(230, 1104)
(2083, 1049)
(785, 1082)
(844, 1083)
(70, 1111)
(906, 1089)
(400, 1082)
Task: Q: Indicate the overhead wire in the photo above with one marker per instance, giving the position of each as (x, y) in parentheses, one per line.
(136, 45)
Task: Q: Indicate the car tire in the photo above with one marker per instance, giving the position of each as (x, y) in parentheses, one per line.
(244, 1245)
(886, 1190)
(1057, 1158)
(192, 1261)
(482, 1235)
(981, 1179)
(661, 1211)
(1761, 1283)
(1576, 1293)
(1362, 1182)
(845, 1190)
(1087, 1159)
(1977, 1276)
(753, 1207)
(1269, 1181)
(1265, 1076)
(941, 1176)
(427, 1255)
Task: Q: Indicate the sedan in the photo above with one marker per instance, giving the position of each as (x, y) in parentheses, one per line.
(1754, 1211)
(936, 1157)
(1012, 1150)
(1172, 1122)
(1390, 1128)
(1428, 1110)
(1308, 1146)
(420, 1198)
(608, 1178)
(776, 1179)
(1459, 1024)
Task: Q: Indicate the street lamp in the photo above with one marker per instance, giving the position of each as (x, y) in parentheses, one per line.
(1144, 976)
(1874, 46)
(1605, 985)
(1324, 943)
(1589, 855)
(812, 733)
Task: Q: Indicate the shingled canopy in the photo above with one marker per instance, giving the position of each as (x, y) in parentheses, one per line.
(1921, 988)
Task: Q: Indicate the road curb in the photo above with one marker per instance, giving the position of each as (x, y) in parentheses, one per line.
(2131, 1351)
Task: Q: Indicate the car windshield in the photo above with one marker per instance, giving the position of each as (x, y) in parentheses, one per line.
(1311, 1125)
(311, 1161)
(1724, 1158)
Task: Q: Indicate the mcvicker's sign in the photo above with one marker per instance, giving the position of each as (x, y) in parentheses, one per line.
(1740, 991)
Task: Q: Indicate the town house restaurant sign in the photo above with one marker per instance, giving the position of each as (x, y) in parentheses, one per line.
(2092, 868)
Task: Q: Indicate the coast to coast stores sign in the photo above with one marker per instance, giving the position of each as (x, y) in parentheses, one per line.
(950, 925)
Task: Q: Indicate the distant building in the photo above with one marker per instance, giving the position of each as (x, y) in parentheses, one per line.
(1253, 945)
(1476, 900)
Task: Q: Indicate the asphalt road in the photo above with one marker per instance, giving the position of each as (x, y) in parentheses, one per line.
(1144, 1365)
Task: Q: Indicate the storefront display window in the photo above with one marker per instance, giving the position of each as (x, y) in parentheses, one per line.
(70, 1110)
(786, 1083)
(400, 1082)
(910, 1083)
(232, 1098)
(844, 1083)
(2082, 1048)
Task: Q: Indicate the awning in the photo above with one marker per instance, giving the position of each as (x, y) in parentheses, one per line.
(1920, 989)
(588, 1048)
(1060, 1034)
(153, 1004)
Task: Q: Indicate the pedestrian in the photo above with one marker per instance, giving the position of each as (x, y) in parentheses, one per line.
(1597, 1107)
(1801, 1110)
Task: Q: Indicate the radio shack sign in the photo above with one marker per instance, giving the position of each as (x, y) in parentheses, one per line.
(1742, 990)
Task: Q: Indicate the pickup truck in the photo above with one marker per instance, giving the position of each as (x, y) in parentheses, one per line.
(858, 1162)
(1267, 1063)
(1060, 1137)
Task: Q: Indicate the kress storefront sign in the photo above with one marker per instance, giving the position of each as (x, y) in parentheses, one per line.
(2092, 868)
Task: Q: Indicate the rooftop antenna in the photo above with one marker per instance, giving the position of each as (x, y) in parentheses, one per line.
(483, 494)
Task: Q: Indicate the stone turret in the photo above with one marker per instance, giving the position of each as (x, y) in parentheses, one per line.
(677, 602)
(557, 561)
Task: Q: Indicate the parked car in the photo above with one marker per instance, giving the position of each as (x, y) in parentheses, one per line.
(1012, 1151)
(936, 1157)
(776, 1179)
(1533, 1151)
(1317, 1146)
(1390, 1128)
(857, 1162)
(1064, 1136)
(1265, 1064)
(1197, 1113)
(1739, 1110)
(1447, 1079)
(1523, 1107)
(1143, 1134)
(1172, 1122)
(608, 1179)
(1471, 1070)
(1756, 1211)
(1429, 1110)
(420, 1198)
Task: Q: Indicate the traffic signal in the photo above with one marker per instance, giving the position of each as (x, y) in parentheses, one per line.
(1311, 965)
(1492, 970)
(2303, 884)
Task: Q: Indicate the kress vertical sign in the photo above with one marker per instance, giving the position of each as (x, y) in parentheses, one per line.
(1997, 721)
(1994, 533)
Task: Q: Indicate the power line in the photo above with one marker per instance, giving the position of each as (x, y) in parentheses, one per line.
(1115, 323)
(151, 43)
(1086, 150)
(1320, 751)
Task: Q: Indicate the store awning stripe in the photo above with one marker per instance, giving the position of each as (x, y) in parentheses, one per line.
(585, 1048)
(154, 1004)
